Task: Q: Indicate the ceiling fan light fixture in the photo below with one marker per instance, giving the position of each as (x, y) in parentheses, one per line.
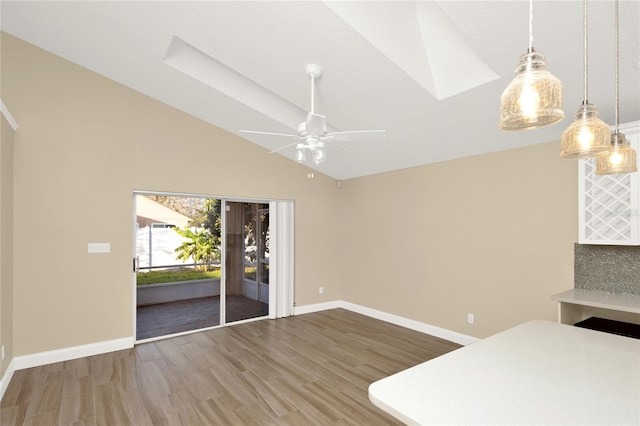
(301, 154)
(319, 154)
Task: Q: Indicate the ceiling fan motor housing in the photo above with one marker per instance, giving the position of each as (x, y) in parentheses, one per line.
(302, 130)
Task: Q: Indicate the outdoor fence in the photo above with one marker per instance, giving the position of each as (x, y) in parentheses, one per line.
(155, 249)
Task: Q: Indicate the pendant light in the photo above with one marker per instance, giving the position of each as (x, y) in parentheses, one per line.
(620, 158)
(534, 98)
(587, 136)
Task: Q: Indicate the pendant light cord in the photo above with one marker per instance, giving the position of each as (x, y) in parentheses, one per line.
(617, 65)
(585, 58)
(530, 25)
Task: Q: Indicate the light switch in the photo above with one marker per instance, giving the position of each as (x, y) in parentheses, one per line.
(99, 248)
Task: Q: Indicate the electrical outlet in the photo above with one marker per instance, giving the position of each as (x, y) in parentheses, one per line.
(470, 318)
(2, 352)
(320, 290)
(98, 248)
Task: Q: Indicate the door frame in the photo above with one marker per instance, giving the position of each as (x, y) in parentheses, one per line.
(273, 296)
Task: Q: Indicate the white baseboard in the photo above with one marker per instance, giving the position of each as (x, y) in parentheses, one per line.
(443, 333)
(66, 354)
(307, 309)
(6, 377)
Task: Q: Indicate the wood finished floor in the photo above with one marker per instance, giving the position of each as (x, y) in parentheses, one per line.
(304, 370)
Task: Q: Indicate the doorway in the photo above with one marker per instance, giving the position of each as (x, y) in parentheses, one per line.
(201, 262)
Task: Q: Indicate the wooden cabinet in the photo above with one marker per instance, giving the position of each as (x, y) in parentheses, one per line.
(608, 205)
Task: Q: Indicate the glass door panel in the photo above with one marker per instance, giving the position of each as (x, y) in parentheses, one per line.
(246, 249)
(178, 271)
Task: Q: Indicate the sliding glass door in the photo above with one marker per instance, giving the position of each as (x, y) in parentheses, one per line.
(200, 262)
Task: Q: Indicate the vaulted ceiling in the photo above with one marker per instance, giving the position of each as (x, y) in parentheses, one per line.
(430, 73)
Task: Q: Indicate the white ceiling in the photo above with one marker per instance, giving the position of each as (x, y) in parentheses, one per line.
(430, 73)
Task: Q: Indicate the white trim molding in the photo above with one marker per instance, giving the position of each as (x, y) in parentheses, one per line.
(66, 354)
(452, 336)
(74, 352)
(6, 377)
(7, 115)
(307, 309)
(281, 229)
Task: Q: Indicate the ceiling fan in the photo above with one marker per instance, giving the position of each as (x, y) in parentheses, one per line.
(312, 133)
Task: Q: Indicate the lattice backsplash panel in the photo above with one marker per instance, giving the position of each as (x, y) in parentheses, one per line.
(608, 205)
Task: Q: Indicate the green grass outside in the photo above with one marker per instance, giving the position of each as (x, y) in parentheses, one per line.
(167, 276)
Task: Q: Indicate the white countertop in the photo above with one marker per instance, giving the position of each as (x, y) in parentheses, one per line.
(539, 372)
(600, 299)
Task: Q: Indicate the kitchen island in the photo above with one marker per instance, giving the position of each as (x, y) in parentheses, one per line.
(539, 372)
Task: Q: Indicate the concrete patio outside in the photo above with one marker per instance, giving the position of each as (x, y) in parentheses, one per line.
(185, 315)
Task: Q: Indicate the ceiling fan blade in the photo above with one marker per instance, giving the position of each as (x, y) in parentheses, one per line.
(315, 123)
(348, 132)
(331, 141)
(357, 134)
(284, 147)
(255, 132)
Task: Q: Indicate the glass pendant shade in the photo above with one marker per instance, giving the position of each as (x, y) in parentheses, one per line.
(587, 136)
(534, 97)
(301, 155)
(620, 158)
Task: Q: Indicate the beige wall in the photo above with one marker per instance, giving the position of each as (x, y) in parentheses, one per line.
(84, 144)
(490, 235)
(6, 243)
